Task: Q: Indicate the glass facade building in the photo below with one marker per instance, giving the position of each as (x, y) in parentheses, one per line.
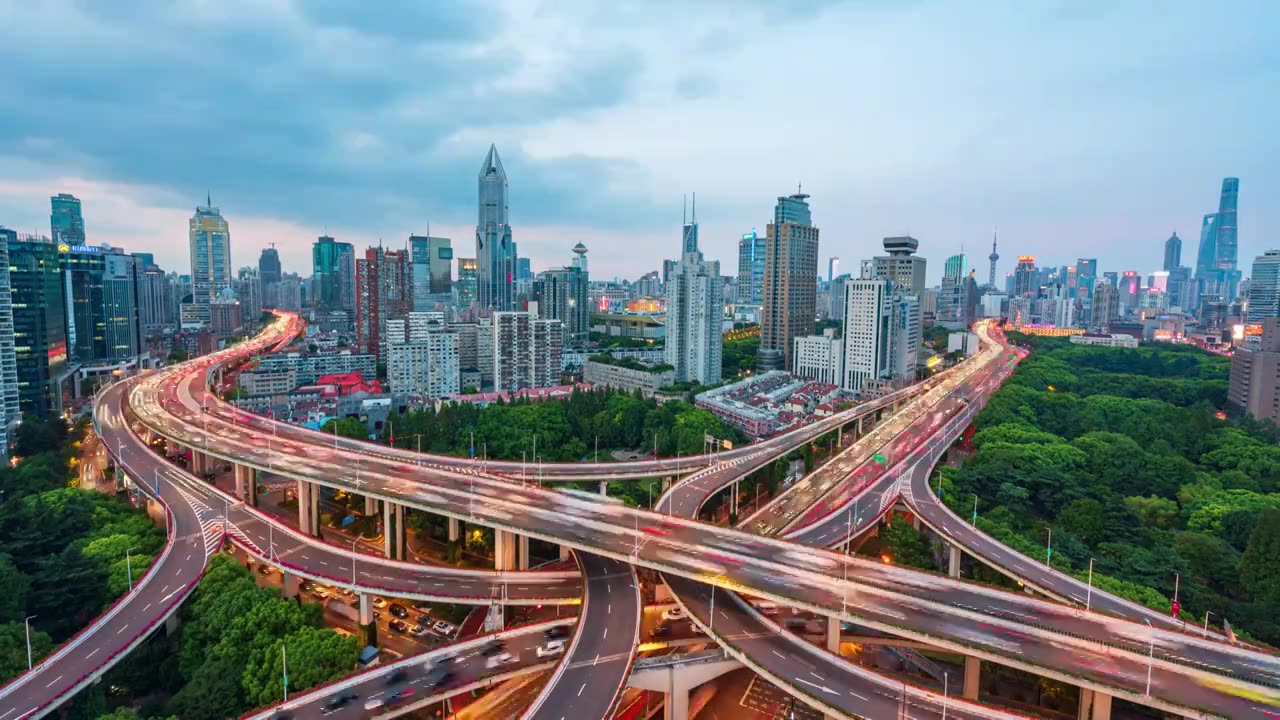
(39, 324)
(495, 250)
(66, 220)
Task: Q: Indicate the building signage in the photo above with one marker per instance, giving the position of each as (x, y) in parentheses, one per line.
(65, 248)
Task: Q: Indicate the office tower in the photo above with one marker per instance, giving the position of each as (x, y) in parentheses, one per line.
(1217, 254)
(269, 265)
(993, 257)
(564, 297)
(289, 293)
(422, 356)
(1105, 308)
(210, 247)
(527, 352)
(100, 287)
(868, 318)
(10, 414)
(524, 268)
(1172, 252)
(1179, 287)
(468, 282)
(39, 323)
(432, 271)
(1264, 287)
(1112, 278)
(155, 302)
(1253, 386)
(906, 328)
(819, 357)
(66, 221)
(1025, 281)
(835, 297)
(695, 306)
(1128, 287)
(832, 265)
(249, 291)
(949, 292)
(333, 276)
(790, 276)
(1086, 273)
(750, 269)
(384, 291)
(495, 251)
(901, 266)
(669, 266)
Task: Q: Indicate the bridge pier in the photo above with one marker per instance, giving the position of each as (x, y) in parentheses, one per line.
(171, 624)
(565, 552)
(604, 488)
(370, 505)
(368, 629)
(244, 481)
(953, 561)
(833, 634)
(288, 584)
(393, 535)
(504, 550)
(455, 529)
(1094, 705)
(523, 556)
(666, 484)
(972, 676)
(308, 509)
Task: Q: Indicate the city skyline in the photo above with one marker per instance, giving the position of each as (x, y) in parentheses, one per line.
(591, 149)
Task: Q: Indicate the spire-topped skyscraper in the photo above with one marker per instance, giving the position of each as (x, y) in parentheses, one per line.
(495, 251)
(993, 257)
(695, 303)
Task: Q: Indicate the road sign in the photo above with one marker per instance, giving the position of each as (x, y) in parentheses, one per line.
(1174, 608)
(878, 458)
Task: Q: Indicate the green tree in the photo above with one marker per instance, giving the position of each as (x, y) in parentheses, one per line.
(13, 648)
(905, 545)
(347, 427)
(314, 656)
(1260, 563)
(13, 601)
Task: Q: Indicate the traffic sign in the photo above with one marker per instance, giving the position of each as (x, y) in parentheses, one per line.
(1174, 608)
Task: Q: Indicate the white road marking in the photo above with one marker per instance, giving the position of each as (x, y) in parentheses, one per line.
(51, 682)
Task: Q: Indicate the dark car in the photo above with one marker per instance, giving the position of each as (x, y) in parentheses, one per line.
(398, 626)
(399, 611)
(493, 648)
(438, 675)
(426, 620)
(342, 699)
(662, 630)
(559, 632)
(397, 676)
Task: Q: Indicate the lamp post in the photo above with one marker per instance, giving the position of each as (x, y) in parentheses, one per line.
(944, 696)
(26, 623)
(128, 567)
(1151, 654)
(1206, 623)
(1088, 596)
(353, 563)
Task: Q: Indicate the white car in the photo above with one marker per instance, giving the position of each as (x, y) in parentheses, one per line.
(551, 648)
(674, 613)
(417, 631)
(442, 628)
(502, 658)
(379, 602)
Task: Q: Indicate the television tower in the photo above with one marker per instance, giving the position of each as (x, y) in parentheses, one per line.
(993, 257)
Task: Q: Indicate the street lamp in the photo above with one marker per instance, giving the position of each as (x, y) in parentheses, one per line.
(1151, 654)
(944, 696)
(1206, 623)
(128, 567)
(26, 622)
(353, 562)
(1088, 596)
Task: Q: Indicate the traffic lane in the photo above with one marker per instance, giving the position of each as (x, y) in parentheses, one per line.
(600, 657)
(466, 666)
(681, 557)
(333, 565)
(166, 583)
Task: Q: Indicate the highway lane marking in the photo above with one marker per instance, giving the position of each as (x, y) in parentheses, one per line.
(584, 687)
(51, 682)
(126, 627)
(606, 634)
(775, 652)
(863, 699)
(10, 711)
(86, 657)
(820, 678)
(148, 607)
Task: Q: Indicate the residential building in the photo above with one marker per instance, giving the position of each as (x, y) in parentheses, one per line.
(1106, 306)
(1253, 386)
(422, 356)
(268, 382)
(226, 315)
(751, 249)
(384, 291)
(1101, 340)
(310, 366)
(10, 411)
(289, 293)
(868, 317)
(39, 323)
(1264, 287)
(630, 375)
(819, 357)
(901, 266)
(248, 290)
(526, 351)
(563, 296)
(495, 250)
(210, 246)
(66, 222)
(695, 306)
(156, 308)
(790, 276)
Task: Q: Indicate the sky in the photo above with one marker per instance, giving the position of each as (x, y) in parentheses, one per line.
(1074, 129)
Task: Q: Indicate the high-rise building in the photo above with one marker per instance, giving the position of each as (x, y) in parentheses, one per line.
(210, 247)
(1216, 258)
(819, 357)
(66, 221)
(333, 268)
(156, 309)
(868, 335)
(695, 307)
(906, 328)
(527, 352)
(39, 323)
(432, 271)
(1172, 252)
(901, 266)
(269, 265)
(468, 282)
(790, 276)
(249, 291)
(495, 251)
(1129, 286)
(1105, 308)
(10, 413)
(289, 293)
(751, 269)
(1253, 386)
(833, 265)
(101, 287)
(422, 356)
(563, 297)
(950, 292)
(994, 257)
(1264, 287)
(1025, 282)
(384, 291)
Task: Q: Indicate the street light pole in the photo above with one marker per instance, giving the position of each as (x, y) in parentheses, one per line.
(1206, 623)
(1048, 548)
(27, 624)
(353, 563)
(1151, 654)
(128, 567)
(1088, 597)
(944, 696)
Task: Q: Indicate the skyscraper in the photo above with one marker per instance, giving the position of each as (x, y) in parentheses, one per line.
(564, 298)
(432, 270)
(695, 306)
(210, 247)
(868, 316)
(333, 268)
(468, 282)
(790, 276)
(495, 251)
(951, 291)
(155, 304)
(10, 413)
(1264, 287)
(751, 269)
(384, 291)
(527, 351)
(101, 290)
(1216, 259)
(39, 323)
(1172, 252)
(1024, 277)
(66, 221)
(901, 266)
(993, 257)
(833, 265)
(269, 265)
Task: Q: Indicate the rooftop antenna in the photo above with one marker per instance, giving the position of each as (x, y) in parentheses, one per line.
(208, 199)
(684, 212)
(695, 208)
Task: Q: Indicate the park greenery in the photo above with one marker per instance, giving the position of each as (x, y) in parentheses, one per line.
(630, 364)
(65, 577)
(567, 430)
(738, 357)
(1127, 457)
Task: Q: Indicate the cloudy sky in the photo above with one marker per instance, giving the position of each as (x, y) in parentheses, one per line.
(1075, 128)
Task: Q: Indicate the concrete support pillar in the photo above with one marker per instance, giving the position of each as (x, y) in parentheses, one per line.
(915, 521)
(370, 505)
(1085, 709)
(1101, 706)
(564, 552)
(455, 529)
(305, 523)
(288, 584)
(972, 676)
(368, 629)
(604, 488)
(840, 436)
(393, 535)
(666, 484)
(244, 483)
(953, 561)
(504, 550)
(171, 624)
(833, 635)
(524, 552)
(860, 419)
(677, 705)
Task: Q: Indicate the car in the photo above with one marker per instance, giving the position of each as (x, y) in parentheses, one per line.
(662, 630)
(551, 648)
(399, 611)
(418, 630)
(493, 648)
(655, 530)
(387, 701)
(321, 592)
(559, 632)
(265, 569)
(398, 626)
(442, 628)
(437, 675)
(397, 676)
(341, 700)
(674, 613)
(379, 602)
(425, 619)
(500, 659)
(307, 586)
